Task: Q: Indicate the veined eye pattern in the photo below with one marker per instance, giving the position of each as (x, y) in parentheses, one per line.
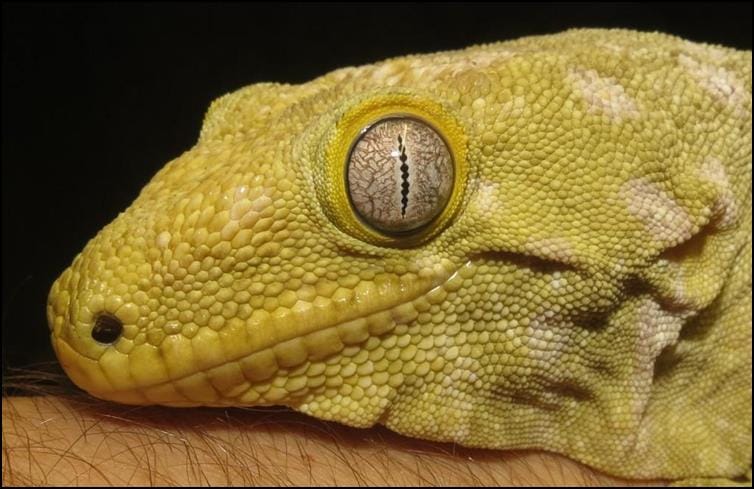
(399, 175)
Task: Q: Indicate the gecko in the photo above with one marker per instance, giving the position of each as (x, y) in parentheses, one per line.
(541, 243)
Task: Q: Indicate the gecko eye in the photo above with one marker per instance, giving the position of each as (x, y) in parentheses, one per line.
(107, 328)
(399, 174)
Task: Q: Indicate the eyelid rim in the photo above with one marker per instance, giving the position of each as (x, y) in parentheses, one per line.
(349, 127)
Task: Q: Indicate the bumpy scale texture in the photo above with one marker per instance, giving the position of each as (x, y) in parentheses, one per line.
(590, 295)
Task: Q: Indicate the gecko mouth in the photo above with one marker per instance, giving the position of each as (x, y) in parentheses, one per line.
(220, 368)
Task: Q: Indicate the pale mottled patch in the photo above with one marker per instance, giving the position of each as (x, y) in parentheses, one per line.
(544, 338)
(705, 51)
(665, 220)
(725, 209)
(486, 201)
(556, 248)
(473, 84)
(485, 59)
(460, 417)
(657, 329)
(344, 74)
(432, 265)
(720, 83)
(620, 266)
(558, 281)
(642, 441)
(612, 47)
(389, 73)
(603, 95)
(457, 62)
(676, 293)
(449, 66)
(163, 239)
(508, 109)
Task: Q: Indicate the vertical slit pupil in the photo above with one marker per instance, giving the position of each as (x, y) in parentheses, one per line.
(404, 176)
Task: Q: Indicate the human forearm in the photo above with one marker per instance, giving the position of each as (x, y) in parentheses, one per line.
(51, 440)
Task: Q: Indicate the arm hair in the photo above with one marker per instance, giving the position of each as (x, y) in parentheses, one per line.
(66, 437)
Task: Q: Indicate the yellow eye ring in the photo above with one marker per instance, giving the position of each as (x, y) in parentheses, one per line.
(350, 128)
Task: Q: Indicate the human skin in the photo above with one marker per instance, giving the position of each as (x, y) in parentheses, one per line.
(76, 440)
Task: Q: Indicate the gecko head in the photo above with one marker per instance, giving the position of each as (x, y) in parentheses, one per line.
(306, 220)
(393, 226)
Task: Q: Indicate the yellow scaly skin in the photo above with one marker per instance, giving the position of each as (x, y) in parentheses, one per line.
(587, 290)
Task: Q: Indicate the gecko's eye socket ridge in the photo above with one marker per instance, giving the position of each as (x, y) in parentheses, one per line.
(107, 329)
(399, 174)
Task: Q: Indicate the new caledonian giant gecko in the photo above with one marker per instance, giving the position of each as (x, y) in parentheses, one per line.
(543, 243)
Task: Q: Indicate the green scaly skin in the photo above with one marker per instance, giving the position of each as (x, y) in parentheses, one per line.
(587, 291)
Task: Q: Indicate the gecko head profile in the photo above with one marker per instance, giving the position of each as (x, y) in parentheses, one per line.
(296, 228)
(533, 243)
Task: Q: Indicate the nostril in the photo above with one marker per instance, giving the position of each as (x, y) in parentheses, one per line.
(107, 328)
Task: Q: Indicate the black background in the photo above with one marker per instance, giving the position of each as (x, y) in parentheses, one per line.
(96, 98)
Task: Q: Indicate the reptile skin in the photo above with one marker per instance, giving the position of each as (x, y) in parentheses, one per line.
(586, 290)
